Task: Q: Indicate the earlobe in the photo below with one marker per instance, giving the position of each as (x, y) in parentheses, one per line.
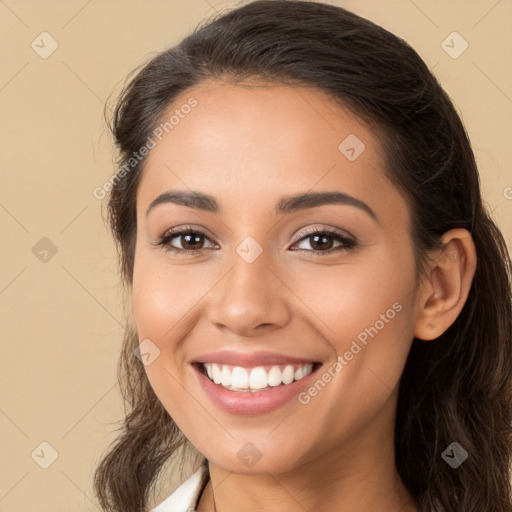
(445, 289)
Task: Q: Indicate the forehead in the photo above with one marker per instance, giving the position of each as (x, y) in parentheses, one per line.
(262, 140)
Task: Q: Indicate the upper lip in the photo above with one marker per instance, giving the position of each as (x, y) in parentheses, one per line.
(244, 359)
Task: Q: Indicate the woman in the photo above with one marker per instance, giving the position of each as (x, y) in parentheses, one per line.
(321, 302)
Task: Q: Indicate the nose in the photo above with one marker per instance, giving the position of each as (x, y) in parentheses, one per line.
(250, 300)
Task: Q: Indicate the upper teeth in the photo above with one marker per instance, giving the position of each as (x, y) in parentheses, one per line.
(238, 377)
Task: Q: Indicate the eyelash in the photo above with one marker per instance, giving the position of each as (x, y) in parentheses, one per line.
(164, 241)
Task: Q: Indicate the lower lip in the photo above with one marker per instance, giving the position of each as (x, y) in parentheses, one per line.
(251, 403)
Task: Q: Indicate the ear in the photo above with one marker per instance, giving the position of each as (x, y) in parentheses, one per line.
(445, 289)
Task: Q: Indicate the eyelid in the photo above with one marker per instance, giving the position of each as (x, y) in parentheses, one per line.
(178, 230)
(323, 228)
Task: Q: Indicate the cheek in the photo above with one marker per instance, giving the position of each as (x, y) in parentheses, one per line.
(368, 321)
(369, 316)
(163, 300)
(353, 297)
(163, 296)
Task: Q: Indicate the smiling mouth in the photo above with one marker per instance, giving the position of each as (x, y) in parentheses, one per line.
(257, 378)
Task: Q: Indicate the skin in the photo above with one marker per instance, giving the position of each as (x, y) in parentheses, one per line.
(248, 146)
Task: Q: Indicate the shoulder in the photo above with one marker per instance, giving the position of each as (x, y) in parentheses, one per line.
(185, 497)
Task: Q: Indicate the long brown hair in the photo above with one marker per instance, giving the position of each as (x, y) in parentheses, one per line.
(457, 388)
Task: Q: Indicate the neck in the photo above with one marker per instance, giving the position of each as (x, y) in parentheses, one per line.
(279, 493)
(359, 476)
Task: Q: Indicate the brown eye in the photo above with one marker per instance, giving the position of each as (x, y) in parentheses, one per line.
(190, 241)
(322, 241)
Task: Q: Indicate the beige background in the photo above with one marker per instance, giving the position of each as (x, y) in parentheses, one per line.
(62, 319)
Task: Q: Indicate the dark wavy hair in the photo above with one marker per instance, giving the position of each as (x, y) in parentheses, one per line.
(456, 388)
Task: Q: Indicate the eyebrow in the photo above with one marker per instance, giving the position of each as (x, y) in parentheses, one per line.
(286, 205)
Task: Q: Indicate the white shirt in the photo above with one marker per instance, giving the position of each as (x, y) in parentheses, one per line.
(185, 498)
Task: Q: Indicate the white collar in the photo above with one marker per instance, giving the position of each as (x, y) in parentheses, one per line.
(185, 497)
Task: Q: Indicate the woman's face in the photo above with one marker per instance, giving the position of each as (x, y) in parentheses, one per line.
(276, 299)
